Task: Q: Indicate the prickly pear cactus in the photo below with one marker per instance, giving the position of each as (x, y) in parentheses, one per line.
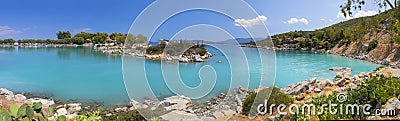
(37, 107)
(52, 110)
(22, 111)
(62, 118)
(4, 115)
(29, 112)
(14, 110)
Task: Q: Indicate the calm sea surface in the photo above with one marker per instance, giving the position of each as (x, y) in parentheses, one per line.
(82, 73)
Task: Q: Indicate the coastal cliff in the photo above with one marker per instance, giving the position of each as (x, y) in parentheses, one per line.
(385, 54)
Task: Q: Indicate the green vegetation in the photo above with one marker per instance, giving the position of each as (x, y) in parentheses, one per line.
(63, 35)
(375, 92)
(7, 41)
(82, 38)
(349, 6)
(344, 33)
(26, 113)
(276, 97)
(126, 116)
(90, 116)
(372, 45)
(176, 48)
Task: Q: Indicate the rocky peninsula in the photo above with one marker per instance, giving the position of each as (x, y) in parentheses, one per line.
(165, 50)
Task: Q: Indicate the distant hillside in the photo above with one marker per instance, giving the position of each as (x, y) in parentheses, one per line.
(241, 40)
(375, 38)
(360, 30)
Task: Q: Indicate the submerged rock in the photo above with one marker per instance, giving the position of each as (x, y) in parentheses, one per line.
(338, 68)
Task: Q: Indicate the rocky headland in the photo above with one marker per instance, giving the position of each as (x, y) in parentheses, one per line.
(194, 53)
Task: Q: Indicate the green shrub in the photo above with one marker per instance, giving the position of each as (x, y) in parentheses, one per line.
(126, 116)
(380, 67)
(275, 97)
(25, 112)
(372, 45)
(246, 107)
(375, 92)
(90, 116)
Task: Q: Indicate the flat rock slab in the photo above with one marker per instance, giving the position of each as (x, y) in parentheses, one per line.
(184, 116)
(395, 72)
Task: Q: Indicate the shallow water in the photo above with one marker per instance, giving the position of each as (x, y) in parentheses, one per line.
(81, 73)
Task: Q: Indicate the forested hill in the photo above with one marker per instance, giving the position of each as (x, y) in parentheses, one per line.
(354, 30)
(374, 38)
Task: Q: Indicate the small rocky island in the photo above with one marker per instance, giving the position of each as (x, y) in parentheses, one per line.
(169, 50)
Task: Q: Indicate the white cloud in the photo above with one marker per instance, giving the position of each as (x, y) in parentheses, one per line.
(83, 30)
(359, 14)
(296, 20)
(250, 22)
(7, 30)
(322, 19)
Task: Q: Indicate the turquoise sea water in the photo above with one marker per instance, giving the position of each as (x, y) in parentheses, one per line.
(82, 73)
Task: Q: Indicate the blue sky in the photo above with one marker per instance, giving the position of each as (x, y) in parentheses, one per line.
(40, 19)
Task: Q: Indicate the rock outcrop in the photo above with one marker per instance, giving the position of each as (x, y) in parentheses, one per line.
(220, 107)
(342, 82)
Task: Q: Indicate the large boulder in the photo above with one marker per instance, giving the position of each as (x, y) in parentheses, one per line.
(176, 103)
(322, 83)
(342, 75)
(343, 82)
(19, 98)
(123, 109)
(296, 89)
(74, 108)
(135, 104)
(45, 102)
(9, 95)
(62, 112)
(340, 89)
(180, 116)
(392, 104)
(313, 80)
(301, 96)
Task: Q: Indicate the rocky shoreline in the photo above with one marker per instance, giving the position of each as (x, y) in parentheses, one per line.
(220, 107)
(179, 107)
(343, 81)
(393, 63)
(384, 54)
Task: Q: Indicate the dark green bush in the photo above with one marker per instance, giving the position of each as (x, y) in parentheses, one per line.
(276, 97)
(126, 116)
(372, 45)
